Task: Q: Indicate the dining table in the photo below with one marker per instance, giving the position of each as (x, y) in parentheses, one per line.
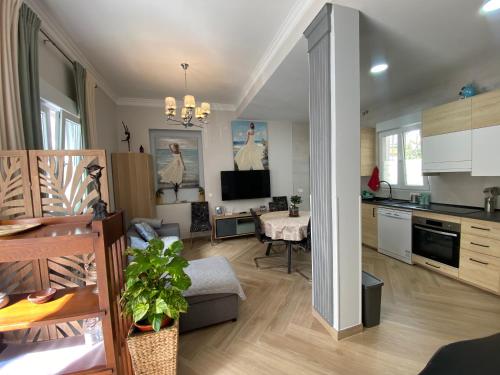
(279, 225)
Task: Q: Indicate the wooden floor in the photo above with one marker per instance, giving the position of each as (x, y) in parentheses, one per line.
(276, 333)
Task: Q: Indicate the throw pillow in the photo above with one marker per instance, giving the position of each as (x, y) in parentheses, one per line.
(146, 231)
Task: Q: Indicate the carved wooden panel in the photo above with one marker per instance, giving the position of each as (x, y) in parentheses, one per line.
(16, 202)
(61, 185)
(15, 192)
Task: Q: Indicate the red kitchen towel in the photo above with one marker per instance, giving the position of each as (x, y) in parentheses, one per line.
(374, 182)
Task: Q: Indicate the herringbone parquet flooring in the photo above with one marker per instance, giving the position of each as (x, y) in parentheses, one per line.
(277, 334)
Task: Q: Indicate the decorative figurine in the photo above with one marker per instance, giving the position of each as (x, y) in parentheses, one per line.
(99, 207)
(127, 135)
(467, 91)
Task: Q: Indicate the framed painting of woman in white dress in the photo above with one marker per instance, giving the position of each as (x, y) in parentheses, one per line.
(250, 145)
(177, 158)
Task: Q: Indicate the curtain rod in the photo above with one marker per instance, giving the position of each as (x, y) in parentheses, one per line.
(55, 45)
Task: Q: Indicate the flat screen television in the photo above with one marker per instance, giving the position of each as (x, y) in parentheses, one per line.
(245, 184)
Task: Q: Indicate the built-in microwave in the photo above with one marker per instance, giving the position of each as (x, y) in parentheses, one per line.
(437, 240)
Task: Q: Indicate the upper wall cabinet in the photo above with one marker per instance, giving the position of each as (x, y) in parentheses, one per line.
(368, 159)
(485, 155)
(447, 118)
(486, 110)
(447, 152)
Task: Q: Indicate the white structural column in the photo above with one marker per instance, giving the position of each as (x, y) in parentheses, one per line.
(334, 105)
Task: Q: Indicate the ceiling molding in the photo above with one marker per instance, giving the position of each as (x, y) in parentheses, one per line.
(159, 103)
(290, 32)
(61, 38)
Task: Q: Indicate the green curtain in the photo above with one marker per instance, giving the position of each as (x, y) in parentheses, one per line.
(80, 75)
(29, 83)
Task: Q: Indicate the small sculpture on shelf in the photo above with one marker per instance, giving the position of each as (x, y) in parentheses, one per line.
(91, 276)
(127, 135)
(99, 207)
(176, 191)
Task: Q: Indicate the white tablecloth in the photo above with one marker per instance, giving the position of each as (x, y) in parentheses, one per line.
(279, 226)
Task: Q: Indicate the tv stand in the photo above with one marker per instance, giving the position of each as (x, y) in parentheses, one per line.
(232, 226)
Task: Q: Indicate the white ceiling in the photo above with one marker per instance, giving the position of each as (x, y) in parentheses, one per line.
(138, 46)
(285, 95)
(421, 41)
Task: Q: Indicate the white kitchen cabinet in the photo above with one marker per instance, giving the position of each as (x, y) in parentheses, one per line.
(485, 151)
(449, 152)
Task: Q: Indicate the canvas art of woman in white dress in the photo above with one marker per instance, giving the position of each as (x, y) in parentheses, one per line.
(173, 172)
(251, 154)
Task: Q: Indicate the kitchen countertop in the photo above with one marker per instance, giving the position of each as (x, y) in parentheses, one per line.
(437, 208)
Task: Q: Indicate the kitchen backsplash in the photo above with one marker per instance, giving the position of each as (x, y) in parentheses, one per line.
(450, 188)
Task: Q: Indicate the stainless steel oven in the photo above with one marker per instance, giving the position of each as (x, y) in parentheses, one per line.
(437, 240)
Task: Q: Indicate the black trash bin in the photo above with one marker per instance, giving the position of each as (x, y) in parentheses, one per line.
(372, 295)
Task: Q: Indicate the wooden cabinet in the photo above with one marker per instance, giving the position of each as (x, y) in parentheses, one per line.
(133, 184)
(369, 225)
(73, 238)
(368, 154)
(485, 155)
(435, 266)
(447, 118)
(480, 254)
(480, 270)
(481, 228)
(486, 109)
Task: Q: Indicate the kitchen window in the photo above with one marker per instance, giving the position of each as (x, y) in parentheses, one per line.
(61, 130)
(400, 154)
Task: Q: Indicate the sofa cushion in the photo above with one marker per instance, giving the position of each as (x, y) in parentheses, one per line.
(168, 240)
(155, 223)
(146, 231)
(212, 275)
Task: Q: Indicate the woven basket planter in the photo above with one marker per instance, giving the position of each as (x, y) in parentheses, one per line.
(154, 353)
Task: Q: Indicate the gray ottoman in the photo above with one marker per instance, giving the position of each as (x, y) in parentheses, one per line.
(213, 296)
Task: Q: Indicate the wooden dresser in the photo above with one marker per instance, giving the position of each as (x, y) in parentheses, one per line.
(134, 184)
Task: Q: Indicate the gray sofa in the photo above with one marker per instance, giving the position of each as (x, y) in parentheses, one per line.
(215, 290)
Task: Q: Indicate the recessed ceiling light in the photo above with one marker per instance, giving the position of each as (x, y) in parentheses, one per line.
(376, 69)
(490, 6)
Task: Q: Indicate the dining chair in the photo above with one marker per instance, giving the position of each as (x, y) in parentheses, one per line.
(273, 207)
(200, 218)
(261, 236)
(282, 203)
(305, 246)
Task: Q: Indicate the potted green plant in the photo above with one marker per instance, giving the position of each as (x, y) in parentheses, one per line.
(152, 297)
(201, 193)
(295, 200)
(159, 196)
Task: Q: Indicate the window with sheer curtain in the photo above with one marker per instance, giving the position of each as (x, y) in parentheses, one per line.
(400, 154)
(61, 130)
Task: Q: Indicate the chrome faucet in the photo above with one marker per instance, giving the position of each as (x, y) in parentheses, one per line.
(390, 188)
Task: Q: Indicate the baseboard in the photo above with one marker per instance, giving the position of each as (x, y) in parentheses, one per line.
(337, 335)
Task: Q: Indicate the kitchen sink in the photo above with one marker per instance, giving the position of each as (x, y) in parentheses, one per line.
(401, 204)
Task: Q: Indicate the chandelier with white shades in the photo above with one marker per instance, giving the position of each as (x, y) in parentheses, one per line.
(189, 109)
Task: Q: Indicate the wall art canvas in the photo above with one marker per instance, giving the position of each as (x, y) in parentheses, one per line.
(177, 158)
(250, 145)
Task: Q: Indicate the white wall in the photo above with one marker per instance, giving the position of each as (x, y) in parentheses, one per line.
(105, 109)
(217, 156)
(345, 167)
(451, 188)
(300, 166)
(55, 69)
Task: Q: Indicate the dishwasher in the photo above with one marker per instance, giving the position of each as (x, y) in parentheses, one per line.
(394, 233)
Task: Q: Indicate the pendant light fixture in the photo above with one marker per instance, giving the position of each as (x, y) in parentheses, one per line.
(189, 110)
